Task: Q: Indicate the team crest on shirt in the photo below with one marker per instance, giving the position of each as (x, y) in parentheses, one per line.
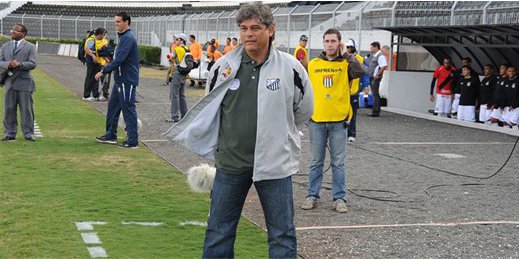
(226, 72)
(468, 84)
(328, 81)
(513, 85)
(273, 84)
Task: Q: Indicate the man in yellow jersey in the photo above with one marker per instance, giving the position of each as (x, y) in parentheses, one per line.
(176, 94)
(356, 87)
(331, 74)
(301, 53)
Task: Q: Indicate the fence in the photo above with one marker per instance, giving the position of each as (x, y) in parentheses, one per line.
(349, 17)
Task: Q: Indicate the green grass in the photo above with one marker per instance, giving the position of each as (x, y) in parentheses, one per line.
(65, 177)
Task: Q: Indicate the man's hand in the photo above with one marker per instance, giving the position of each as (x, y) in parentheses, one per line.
(98, 75)
(431, 97)
(13, 64)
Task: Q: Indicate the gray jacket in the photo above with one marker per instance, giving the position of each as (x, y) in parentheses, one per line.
(25, 54)
(285, 102)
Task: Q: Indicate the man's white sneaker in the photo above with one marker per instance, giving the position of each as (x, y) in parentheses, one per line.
(309, 203)
(89, 99)
(340, 206)
(351, 139)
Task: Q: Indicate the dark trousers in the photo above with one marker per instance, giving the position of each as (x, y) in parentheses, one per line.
(352, 128)
(91, 86)
(106, 84)
(375, 85)
(12, 100)
(122, 99)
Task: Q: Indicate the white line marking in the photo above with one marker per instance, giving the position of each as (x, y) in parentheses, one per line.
(449, 155)
(37, 131)
(147, 224)
(445, 224)
(88, 225)
(97, 251)
(193, 223)
(155, 140)
(442, 143)
(91, 238)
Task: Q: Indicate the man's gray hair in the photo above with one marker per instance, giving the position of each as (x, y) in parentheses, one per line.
(386, 47)
(262, 12)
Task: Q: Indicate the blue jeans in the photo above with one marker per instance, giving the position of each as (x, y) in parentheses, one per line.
(227, 199)
(334, 134)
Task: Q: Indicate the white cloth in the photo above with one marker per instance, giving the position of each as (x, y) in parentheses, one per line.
(443, 105)
(467, 113)
(511, 117)
(382, 62)
(455, 103)
(484, 113)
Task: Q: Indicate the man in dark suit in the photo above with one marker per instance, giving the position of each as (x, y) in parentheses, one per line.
(18, 57)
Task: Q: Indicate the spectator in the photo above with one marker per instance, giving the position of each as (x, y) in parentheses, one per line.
(511, 111)
(126, 61)
(100, 42)
(446, 76)
(498, 104)
(195, 49)
(18, 58)
(351, 48)
(257, 93)
(91, 86)
(235, 42)
(228, 47)
(213, 55)
(300, 52)
(330, 75)
(173, 45)
(386, 50)
(488, 85)
(466, 61)
(176, 94)
(377, 67)
(469, 91)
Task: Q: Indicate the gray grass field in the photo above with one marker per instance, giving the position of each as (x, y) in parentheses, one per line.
(426, 205)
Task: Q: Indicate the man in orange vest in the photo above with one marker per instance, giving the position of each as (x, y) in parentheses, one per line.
(301, 53)
(228, 47)
(195, 49)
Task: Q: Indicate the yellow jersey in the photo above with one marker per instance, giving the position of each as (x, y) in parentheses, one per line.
(331, 87)
(355, 83)
(102, 61)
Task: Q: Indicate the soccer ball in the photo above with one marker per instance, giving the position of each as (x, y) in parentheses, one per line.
(123, 125)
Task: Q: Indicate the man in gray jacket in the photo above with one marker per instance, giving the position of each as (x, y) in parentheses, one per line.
(18, 58)
(258, 97)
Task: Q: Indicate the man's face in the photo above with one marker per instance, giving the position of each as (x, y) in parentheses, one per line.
(191, 39)
(374, 49)
(349, 49)
(255, 35)
(120, 25)
(16, 33)
(488, 71)
(228, 42)
(465, 71)
(331, 44)
(303, 43)
(502, 70)
(213, 41)
(447, 63)
(465, 62)
(234, 42)
(100, 36)
(511, 72)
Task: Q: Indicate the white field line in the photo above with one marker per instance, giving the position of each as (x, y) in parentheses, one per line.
(37, 130)
(154, 140)
(193, 223)
(450, 155)
(442, 143)
(91, 238)
(146, 224)
(97, 251)
(443, 224)
(88, 225)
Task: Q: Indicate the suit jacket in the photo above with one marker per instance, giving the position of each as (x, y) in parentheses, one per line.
(25, 54)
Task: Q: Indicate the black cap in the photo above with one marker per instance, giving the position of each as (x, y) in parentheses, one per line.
(99, 30)
(303, 37)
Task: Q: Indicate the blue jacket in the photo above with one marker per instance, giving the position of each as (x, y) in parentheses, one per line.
(126, 60)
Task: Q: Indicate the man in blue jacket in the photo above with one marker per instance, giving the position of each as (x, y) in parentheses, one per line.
(126, 79)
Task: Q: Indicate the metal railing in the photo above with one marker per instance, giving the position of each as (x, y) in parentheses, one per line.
(351, 18)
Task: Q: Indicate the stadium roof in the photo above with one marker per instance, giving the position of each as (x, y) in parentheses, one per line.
(484, 44)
